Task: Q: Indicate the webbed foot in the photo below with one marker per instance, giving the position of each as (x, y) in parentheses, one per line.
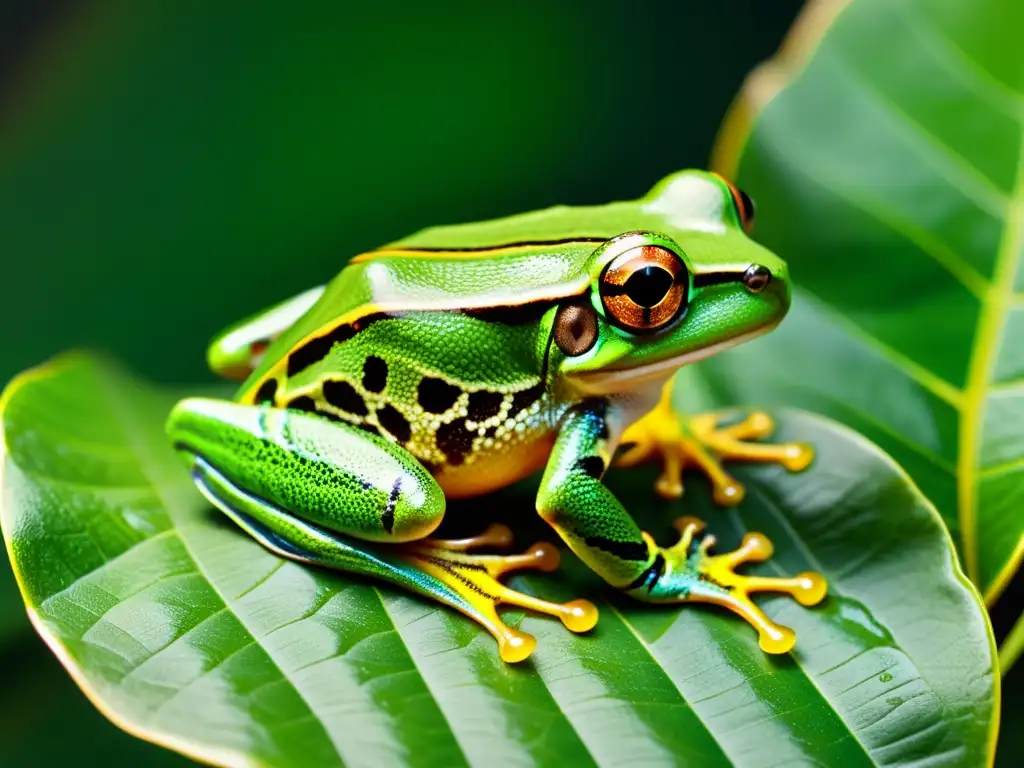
(686, 572)
(700, 442)
(475, 579)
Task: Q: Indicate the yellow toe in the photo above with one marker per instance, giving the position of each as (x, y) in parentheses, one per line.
(776, 639)
(580, 616)
(515, 646)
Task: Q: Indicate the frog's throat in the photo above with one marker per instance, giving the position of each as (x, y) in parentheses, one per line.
(617, 380)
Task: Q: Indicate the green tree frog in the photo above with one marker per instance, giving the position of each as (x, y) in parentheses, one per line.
(463, 358)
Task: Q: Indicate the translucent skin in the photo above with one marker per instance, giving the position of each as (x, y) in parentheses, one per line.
(442, 366)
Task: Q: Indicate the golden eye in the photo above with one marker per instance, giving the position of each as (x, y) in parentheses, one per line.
(645, 288)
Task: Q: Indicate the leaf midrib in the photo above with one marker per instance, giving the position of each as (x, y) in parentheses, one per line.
(991, 327)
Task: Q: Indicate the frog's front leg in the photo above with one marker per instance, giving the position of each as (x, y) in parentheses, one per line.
(327, 493)
(598, 529)
(237, 350)
(701, 442)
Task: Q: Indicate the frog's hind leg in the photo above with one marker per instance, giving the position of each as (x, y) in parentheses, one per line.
(700, 442)
(440, 570)
(326, 493)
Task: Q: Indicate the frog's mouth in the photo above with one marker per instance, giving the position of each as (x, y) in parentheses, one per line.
(613, 380)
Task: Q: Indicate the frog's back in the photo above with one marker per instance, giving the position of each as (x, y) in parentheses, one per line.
(439, 340)
(440, 349)
(519, 279)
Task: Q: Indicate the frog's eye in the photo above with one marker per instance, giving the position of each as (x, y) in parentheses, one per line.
(645, 288)
(744, 206)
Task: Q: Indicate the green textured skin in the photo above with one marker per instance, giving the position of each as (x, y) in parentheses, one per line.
(693, 208)
(476, 357)
(281, 532)
(587, 515)
(480, 354)
(332, 475)
(433, 318)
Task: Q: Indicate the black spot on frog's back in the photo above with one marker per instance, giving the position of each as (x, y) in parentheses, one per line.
(436, 395)
(455, 441)
(484, 405)
(392, 420)
(525, 398)
(375, 374)
(343, 396)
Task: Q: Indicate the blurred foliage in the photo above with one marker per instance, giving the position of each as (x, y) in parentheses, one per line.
(168, 167)
(1010, 749)
(47, 722)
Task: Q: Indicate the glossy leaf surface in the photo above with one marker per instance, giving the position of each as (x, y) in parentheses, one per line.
(186, 632)
(885, 156)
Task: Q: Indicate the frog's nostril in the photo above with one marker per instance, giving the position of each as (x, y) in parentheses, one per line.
(757, 278)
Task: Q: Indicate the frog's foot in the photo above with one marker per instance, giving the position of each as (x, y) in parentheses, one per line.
(475, 579)
(686, 572)
(700, 442)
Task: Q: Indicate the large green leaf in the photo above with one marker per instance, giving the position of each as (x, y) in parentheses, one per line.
(885, 156)
(186, 632)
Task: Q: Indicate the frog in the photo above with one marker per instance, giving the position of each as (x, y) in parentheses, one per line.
(464, 358)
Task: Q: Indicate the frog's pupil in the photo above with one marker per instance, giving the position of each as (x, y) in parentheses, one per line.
(648, 285)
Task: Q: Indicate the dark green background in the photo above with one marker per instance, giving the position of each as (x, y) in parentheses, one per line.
(168, 167)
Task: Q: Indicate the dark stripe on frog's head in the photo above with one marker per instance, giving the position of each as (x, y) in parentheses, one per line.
(703, 280)
(756, 277)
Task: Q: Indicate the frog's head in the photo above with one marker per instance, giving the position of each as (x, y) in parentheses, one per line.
(688, 283)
